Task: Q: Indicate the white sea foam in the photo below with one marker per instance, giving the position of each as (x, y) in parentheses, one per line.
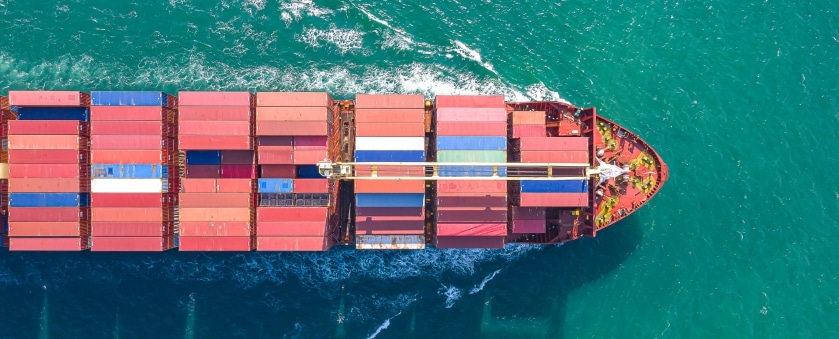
(480, 287)
(464, 51)
(346, 40)
(452, 294)
(297, 9)
(383, 326)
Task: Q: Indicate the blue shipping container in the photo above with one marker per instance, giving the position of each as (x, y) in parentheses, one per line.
(389, 156)
(469, 171)
(108, 98)
(129, 171)
(554, 186)
(446, 143)
(389, 200)
(203, 157)
(48, 199)
(276, 186)
(53, 113)
(308, 172)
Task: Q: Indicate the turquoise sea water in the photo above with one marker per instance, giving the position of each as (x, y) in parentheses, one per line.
(740, 98)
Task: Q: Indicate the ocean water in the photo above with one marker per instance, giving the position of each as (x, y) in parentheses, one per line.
(741, 98)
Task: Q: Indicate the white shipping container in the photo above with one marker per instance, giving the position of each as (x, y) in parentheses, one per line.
(129, 185)
(390, 242)
(390, 143)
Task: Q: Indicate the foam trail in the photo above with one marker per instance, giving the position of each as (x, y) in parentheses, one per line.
(471, 54)
(383, 326)
(189, 332)
(44, 332)
(340, 330)
(451, 293)
(483, 283)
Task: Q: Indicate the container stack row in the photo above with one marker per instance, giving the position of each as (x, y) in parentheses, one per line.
(390, 214)
(471, 213)
(295, 210)
(218, 171)
(558, 193)
(5, 116)
(133, 171)
(49, 172)
(527, 124)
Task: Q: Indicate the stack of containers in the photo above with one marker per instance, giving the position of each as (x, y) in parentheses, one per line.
(49, 181)
(559, 193)
(218, 171)
(527, 124)
(390, 214)
(293, 130)
(5, 116)
(133, 171)
(471, 214)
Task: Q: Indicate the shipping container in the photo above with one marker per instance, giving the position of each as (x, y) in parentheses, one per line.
(48, 156)
(216, 229)
(126, 98)
(464, 186)
(310, 142)
(215, 214)
(528, 213)
(472, 230)
(45, 229)
(469, 242)
(230, 128)
(449, 114)
(41, 127)
(132, 244)
(130, 157)
(214, 113)
(48, 199)
(390, 156)
(390, 129)
(275, 157)
(390, 242)
(214, 142)
(272, 214)
(472, 143)
(471, 215)
(131, 200)
(389, 143)
(320, 114)
(44, 142)
(525, 131)
(203, 171)
(529, 118)
(554, 186)
(311, 185)
(467, 199)
(123, 114)
(382, 225)
(277, 171)
(416, 212)
(44, 214)
(46, 185)
(389, 101)
(296, 244)
(280, 141)
(577, 157)
(46, 98)
(529, 226)
(157, 128)
(308, 172)
(203, 157)
(291, 229)
(46, 171)
(126, 142)
(385, 115)
(476, 101)
(316, 128)
(472, 156)
(217, 185)
(129, 214)
(215, 99)
(99, 185)
(132, 229)
(129, 171)
(389, 200)
(390, 171)
(275, 185)
(294, 99)
(215, 244)
(4, 171)
(309, 157)
(237, 171)
(554, 144)
(237, 157)
(471, 171)
(53, 113)
(192, 200)
(472, 128)
(554, 199)
(390, 186)
(48, 243)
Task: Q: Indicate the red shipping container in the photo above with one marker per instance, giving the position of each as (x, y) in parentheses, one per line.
(217, 185)
(390, 171)
(473, 230)
(130, 200)
(275, 148)
(386, 186)
(581, 157)
(464, 186)
(389, 227)
(48, 244)
(472, 200)
(129, 157)
(215, 229)
(275, 141)
(264, 214)
(203, 171)
(44, 127)
(49, 156)
(45, 171)
(529, 226)
(237, 171)
(46, 142)
(129, 214)
(48, 98)
(469, 242)
(529, 213)
(215, 244)
(215, 99)
(309, 157)
(391, 129)
(132, 244)
(481, 101)
(295, 244)
(277, 171)
(190, 200)
(471, 215)
(126, 142)
(291, 128)
(524, 131)
(130, 113)
(363, 212)
(214, 142)
(215, 214)
(214, 113)
(214, 128)
(471, 114)
(294, 99)
(44, 229)
(237, 157)
(46, 185)
(397, 115)
(389, 101)
(291, 228)
(292, 114)
(472, 128)
(554, 144)
(554, 199)
(275, 157)
(131, 229)
(529, 118)
(156, 128)
(310, 142)
(45, 214)
(311, 185)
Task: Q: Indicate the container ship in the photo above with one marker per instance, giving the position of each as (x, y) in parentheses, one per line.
(301, 171)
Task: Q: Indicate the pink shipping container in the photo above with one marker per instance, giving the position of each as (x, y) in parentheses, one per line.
(131, 229)
(477, 101)
(311, 185)
(46, 142)
(528, 213)
(293, 99)
(293, 244)
(45, 229)
(292, 114)
(130, 200)
(555, 156)
(391, 171)
(310, 142)
(214, 113)
(469, 242)
(529, 226)
(392, 129)
(471, 199)
(47, 185)
(471, 114)
(362, 212)
(215, 214)
(275, 141)
(554, 199)
(214, 142)
(126, 142)
(309, 157)
(203, 171)
(48, 98)
(291, 228)
(389, 227)
(269, 214)
(554, 144)
(238, 171)
(386, 186)
(524, 131)
(190, 200)
(58, 156)
(389, 101)
(130, 113)
(44, 214)
(273, 157)
(364, 115)
(42, 127)
(129, 157)
(473, 230)
(132, 244)
(234, 128)
(217, 185)
(464, 186)
(216, 229)
(216, 244)
(129, 214)
(277, 171)
(472, 128)
(48, 244)
(45, 171)
(215, 99)
(471, 215)
(157, 128)
(237, 157)
(291, 128)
